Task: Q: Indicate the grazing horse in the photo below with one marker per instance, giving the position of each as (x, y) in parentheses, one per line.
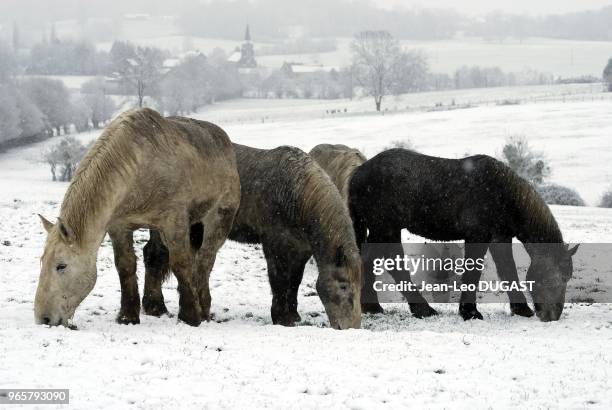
(477, 199)
(340, 162)
(143, 171)
(292, 208)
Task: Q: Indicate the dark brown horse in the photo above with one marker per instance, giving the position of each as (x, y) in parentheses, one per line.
(477, 199)
(292, 208)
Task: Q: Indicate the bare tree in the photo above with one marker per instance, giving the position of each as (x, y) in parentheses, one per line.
(66, 155)
(53, 99)
(8, 63)
(381, 67)
(607, 75)
(9, 116)
(410, 73)
(101, 106)
(138, 68)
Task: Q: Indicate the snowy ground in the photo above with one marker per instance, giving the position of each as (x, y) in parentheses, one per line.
(240, 360)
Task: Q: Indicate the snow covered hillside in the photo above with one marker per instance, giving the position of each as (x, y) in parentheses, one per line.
(241, 360)
(574, 136)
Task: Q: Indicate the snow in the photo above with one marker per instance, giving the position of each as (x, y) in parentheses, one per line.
(241, 360)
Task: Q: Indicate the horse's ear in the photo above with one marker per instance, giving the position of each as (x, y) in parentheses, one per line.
(340, 258)
(573, 250)
(65, 231)
(46, 224)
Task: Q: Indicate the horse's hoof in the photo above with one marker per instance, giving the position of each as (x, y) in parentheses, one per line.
(127, 319)
(295, 316)
(521, 309)
(470, 312)
(422, 310)
(286, 323)
(285, 319)
(371, 308)
(190, 318)
(156, 309)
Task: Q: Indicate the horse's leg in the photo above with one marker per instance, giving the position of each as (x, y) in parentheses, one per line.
(156, 262)
(418, 305)
(369, 298)
(506, 270)
(125, 261)
(215, 228)
(278, 258)
(467, 306)
(296, 273)
(182, 263)
(280, 284)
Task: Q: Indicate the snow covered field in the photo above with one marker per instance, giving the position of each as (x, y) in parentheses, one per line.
(565, 58)
(240, 360)
(575, 136)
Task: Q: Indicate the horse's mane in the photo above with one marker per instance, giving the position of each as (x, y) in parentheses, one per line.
(319, 205)
(535, 218)
(112, 157)
(340, 163)
(323, 204)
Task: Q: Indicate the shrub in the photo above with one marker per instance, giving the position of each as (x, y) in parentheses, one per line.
(530, 165)
(404, 143)
(559, 195)
(606, 199)
(64, 157)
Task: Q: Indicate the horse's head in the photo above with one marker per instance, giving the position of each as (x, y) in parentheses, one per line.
(67, 276)
(551, 268)
(339, 287)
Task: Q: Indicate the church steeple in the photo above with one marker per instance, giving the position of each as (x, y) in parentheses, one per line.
(247, 34)
(247, 52)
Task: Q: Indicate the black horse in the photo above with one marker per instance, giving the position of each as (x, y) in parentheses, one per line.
(477, 199)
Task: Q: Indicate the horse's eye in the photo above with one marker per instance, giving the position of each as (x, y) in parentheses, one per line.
(60, 267)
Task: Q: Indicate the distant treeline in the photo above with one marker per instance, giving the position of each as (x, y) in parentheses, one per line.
(339, 18)
(586, 25)
(277, 19)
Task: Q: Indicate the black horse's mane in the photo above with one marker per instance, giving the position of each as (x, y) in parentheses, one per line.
(537, 223)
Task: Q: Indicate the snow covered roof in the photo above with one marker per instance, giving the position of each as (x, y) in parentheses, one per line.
(299, 68)
(308, 68)
(235, 57)
(171, 62)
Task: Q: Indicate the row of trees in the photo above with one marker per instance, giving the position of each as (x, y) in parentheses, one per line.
(33, 108)
(381, 67)
(275, 18)
(65, 57)
(36, 108)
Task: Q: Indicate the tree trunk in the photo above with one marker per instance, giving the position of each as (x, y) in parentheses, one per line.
(378, 102)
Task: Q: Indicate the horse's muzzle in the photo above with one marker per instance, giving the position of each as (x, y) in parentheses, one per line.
(548, 312)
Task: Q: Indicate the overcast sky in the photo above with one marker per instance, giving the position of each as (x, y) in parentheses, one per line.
(474, 7)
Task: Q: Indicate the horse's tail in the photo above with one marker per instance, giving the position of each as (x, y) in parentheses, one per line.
(156, 257)
(359, 223)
